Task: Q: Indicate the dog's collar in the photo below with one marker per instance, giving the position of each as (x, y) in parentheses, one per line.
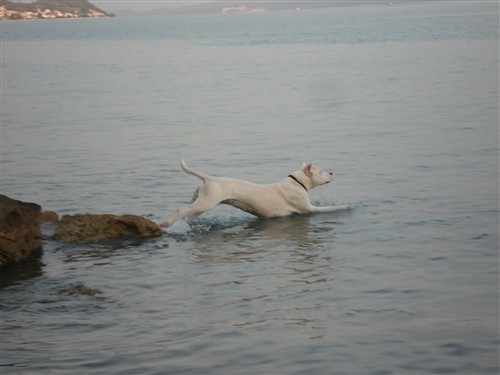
(297, 181)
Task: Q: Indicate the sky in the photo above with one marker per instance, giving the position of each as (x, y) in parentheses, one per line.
(141, 5)
(145, 5)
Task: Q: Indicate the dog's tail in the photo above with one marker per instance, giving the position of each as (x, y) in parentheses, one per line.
(201, 175)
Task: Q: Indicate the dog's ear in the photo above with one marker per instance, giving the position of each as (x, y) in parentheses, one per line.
(307, 169)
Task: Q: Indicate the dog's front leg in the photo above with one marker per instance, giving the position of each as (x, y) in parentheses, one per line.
(325, 209)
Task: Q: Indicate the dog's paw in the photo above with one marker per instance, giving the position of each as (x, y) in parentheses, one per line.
(165, 224)
(347, 206)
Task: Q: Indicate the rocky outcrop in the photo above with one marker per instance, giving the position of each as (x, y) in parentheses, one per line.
(93, 228)
(20, 229)
(50, 9)
(20, 232)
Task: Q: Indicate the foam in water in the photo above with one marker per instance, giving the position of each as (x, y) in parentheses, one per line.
(179, 227)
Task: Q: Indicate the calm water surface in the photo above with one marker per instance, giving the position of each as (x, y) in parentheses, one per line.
(401, 103)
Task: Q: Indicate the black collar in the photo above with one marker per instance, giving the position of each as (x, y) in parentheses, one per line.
(297, 181)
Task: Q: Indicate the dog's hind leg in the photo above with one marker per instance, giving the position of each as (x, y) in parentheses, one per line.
(186, 213)
(205, 198)
(195, 195)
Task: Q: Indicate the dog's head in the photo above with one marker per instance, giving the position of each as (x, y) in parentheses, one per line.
(315, 176)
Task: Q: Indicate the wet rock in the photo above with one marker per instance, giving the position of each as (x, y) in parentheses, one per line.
(49, 217)
(20, 232)
(92, 228)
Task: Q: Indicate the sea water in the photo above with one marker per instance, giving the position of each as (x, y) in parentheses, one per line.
(400, 102)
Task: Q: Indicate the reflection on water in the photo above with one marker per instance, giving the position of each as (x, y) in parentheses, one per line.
(273, 262)
(16, 273)
(246, 239)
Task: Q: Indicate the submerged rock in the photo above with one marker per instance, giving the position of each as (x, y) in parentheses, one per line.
(92, 228)
(78, 289)
(20, 232)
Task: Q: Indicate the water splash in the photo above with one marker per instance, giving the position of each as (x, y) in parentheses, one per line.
(179, 228)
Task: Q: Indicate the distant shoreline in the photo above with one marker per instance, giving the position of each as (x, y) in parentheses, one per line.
(50, 10)
(12, 15)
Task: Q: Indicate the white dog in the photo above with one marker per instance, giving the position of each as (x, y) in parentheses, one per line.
(290, 196)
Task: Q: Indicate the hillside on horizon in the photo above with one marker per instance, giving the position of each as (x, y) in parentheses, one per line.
(50, 9)
(249, 5)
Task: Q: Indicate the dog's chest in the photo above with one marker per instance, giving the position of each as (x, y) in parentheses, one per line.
(242, 206)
